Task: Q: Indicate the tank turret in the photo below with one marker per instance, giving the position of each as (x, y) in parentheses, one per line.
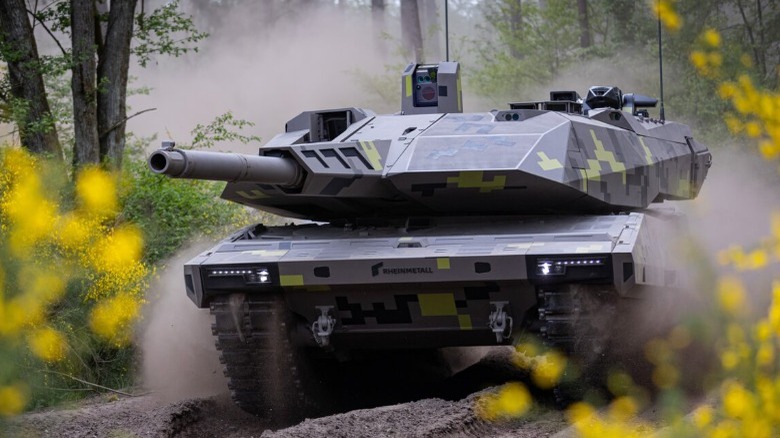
(564, 155)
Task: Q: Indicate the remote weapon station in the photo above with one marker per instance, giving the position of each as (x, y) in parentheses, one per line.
(435, 228)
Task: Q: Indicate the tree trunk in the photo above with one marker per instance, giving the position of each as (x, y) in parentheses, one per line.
(86, 149)
(431, 28)
(515, 28)
(410, 29)
(113, 64)
(582, 6)
(378, 19)
(36, 128)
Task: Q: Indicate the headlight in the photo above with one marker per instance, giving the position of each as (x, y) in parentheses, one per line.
(565, 268)
(224, 276)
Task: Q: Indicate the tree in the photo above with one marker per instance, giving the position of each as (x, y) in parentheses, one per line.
(112, 68)
(378, 20)
(431, 29)
(84, 83)
(27, 99)
(411, 34)
(103, 37)
(582, 9)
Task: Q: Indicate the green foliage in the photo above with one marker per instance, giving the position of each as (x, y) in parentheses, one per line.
(529, 45)
(224, 127)
(166, 31)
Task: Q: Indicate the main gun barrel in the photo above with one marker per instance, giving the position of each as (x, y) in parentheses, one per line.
(225, 166)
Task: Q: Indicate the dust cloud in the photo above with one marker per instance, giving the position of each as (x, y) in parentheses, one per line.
(263, 70)
(179, 359)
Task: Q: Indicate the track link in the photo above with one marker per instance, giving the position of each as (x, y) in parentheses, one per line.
(260, 362)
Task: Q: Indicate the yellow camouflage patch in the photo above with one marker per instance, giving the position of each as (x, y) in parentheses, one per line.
(437, 305)
(608, 157)
(474, 180)
(548, 163)
(372, 153)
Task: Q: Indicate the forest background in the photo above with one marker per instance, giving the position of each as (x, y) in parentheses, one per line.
(88, 87)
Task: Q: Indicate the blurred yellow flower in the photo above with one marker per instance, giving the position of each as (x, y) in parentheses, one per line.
(75, 232)
(12, 399)
(729, 360)
(702, 416)
(731, 295)
(96, 192)
(623, 409)
(549, 369)
(112, 318)
(664, 9)
(752, 129)
(712, 38)
(765, 356)
(119, 250)
(737, 401)
(512, 400)
(47, 344)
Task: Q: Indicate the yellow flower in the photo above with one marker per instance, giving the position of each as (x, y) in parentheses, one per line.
(726, 90)
(774, 308)
(737, 401)
(549, 369)
(512, 400)
(580, 412)
(715, 59)
(96, 192)
(47, 344)
(766, 354)
(712, 38)
(119, 250)
(75, 231)
(623, 409)
(752, 129)
(699, 60)
(664, 9)
(12, 399)
(729, 359)
(731, 295)
(112, 318)
(702, 416)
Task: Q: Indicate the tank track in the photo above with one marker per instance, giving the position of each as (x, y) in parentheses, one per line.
(260, 362)
(574, 319)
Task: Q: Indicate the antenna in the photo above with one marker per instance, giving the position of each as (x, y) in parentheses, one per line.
(661, 65)
(446, 32)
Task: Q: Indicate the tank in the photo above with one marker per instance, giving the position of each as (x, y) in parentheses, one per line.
(433, 227)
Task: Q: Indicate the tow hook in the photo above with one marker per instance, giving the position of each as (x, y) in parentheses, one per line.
(499, 321)
(322, 328)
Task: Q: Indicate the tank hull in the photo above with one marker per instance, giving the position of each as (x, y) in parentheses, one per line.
(435, 284)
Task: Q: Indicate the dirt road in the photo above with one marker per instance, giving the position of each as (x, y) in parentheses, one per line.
(217, 416)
